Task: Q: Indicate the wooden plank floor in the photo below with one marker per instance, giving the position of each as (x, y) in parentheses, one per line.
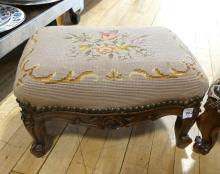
(145, 149)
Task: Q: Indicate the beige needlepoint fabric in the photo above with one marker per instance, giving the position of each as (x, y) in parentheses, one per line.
(107, 67)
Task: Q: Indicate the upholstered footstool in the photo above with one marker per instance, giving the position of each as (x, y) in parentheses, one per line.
(108, 78)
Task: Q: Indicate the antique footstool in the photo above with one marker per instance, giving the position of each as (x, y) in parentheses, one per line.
(108, 78)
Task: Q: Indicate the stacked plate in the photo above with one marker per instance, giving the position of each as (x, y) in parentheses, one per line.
(27, 2)
(10, 17)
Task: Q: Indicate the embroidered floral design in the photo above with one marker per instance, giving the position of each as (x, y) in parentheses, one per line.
(71, 77)
(109, 35)
(105, 49)
(111, 44)
(84, 47)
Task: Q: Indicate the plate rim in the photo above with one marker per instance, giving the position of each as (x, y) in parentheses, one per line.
(40, 2)
(7, 19)
(16, 24)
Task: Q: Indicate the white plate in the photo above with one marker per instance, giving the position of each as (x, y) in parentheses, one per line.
(17, 16)
(27, 2)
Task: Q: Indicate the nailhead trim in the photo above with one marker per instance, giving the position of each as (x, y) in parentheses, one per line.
(142, 108)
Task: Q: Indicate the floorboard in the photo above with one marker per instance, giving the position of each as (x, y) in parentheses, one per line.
(67, 145)
(89, 152)
(31, 165)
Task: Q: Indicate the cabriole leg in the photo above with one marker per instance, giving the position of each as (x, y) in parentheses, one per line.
(41, 141)
(209, 125)
(74, 16)
(182, 127)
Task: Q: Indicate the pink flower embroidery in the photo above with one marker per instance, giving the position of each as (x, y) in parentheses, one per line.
(105, 50)
(109, 35)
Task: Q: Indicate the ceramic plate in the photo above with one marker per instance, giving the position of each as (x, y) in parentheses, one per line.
(13, 17)
(27, 2)
(4, 15)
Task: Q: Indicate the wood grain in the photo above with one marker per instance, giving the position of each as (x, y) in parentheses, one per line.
(165, 135)
(2, 144)
(71, 139)
(186, 161)
(139, 149)
(89, 152)
(29, 163)
(112, 155)
(14, 149)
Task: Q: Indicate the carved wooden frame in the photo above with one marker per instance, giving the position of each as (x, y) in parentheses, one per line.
(34, 119)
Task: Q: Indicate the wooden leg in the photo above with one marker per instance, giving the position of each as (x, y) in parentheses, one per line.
(209, 125)
(60, 20)
(74, 16)
(41, 141)
(182, 127)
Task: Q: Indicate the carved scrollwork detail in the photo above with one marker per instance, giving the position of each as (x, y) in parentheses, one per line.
(28, 121)
(26, 115)
(104, 118)
(214, 96)
(34, 118)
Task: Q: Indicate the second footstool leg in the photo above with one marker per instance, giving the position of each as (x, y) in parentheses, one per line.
(182, 127)
(74, 16)
(209, 121)
(209, 126)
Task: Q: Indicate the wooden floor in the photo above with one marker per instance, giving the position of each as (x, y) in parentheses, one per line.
(145, 149)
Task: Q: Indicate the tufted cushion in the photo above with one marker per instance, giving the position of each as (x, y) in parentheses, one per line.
(107, 67)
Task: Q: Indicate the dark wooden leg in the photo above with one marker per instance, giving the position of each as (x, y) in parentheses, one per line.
(41, 141)
(182, 127)
(209, 125)
(74, 16)
(209, 121)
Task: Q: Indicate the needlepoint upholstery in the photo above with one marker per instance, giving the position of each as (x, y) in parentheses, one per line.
(107, 67)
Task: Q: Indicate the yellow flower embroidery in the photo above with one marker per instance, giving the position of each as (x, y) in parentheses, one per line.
(123, 47)
(84, 47)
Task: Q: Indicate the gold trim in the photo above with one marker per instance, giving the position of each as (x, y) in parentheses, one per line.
(49, 79)
(148, 76)
(159, 75)
(114, 75)
(200, 76)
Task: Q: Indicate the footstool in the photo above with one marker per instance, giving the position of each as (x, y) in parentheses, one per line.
(108, 78)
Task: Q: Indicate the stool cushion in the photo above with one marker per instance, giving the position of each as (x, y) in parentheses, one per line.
(107, 67)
